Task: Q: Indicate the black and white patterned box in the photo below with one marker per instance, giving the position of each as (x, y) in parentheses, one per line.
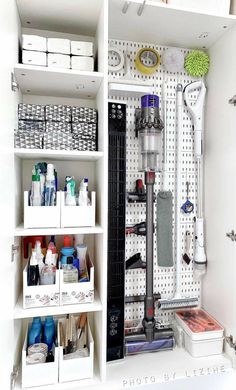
(58, 113)
(84, 144)
(54, 139)
(65, 127)
(32, 112)
(84, 114)
(32, 126)
(28, 140)
(85, 129)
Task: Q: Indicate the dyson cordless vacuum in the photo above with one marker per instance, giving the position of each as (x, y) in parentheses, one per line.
(149, 131)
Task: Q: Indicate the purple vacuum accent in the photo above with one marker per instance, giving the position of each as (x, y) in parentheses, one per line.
(135, 347)
(150, 101)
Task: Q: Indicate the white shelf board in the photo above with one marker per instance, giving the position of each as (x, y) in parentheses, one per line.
(156, 367)
(39, 80)
(21, 232)
(165, 25)
(19, 312)
(67, 155)
(70, 16)
(128, 90)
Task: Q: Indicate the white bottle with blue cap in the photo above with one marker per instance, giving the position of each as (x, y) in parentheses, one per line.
(83, 193)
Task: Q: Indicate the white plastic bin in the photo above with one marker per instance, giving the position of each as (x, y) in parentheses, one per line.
(40, 296)
(38, 374)
(203, 335)
(41, 216)
(215, 7)
(203, 348)
(81, 292)
(78, 368)
(77, 216)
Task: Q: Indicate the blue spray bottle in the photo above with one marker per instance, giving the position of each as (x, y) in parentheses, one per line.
(49, 332)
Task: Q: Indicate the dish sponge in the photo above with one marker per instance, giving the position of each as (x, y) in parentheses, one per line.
(197, 63)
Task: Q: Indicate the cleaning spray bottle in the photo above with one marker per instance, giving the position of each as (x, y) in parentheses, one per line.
(39, 255)
(35, 196)
(50, 187)
(48, 272)
(70, 191)
(83, 193)
(33, 270)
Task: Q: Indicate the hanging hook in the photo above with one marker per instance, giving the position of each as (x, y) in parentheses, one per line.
(125, 7)
(141, 8)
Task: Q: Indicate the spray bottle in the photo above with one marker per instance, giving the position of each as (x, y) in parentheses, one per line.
(48, 272)
(50, 189)
(39, 255)
(33, 271)
(70, 191)
(35, 197)
(83, 193)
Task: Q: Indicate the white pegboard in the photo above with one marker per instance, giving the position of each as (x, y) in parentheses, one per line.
(164, 278)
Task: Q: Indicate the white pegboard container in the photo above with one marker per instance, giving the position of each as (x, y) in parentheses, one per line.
(40, 296)
(81, 292)
(77, 216)
(38, 374)
(78, 368)
(41, 216)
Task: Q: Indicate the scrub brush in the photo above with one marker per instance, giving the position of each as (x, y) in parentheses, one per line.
(197, 63)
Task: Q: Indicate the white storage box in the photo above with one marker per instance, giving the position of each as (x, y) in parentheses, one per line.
(58, 61)
(34, 58)
(82, 63)
(58, 45)
(203, 335)
(78, 368)
(40, 296)
(203, 348)
(41, 216)
(215, 7)
(38, 374)
(81, 292)
(34, 42)
(80, 48)
(76, 216)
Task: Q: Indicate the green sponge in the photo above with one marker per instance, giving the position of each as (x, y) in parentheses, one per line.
(197, 63)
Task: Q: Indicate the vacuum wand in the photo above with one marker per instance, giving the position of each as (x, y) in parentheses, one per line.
(149, 321)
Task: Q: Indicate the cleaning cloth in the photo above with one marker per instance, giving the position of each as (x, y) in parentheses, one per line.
(164, 229)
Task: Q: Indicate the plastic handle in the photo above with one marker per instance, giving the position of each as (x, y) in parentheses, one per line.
(189, 88)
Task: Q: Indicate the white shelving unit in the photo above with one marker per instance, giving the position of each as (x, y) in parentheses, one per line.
(71, 155)
(36, 80)
(20, 231)
(159, 24)
(19, 312)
